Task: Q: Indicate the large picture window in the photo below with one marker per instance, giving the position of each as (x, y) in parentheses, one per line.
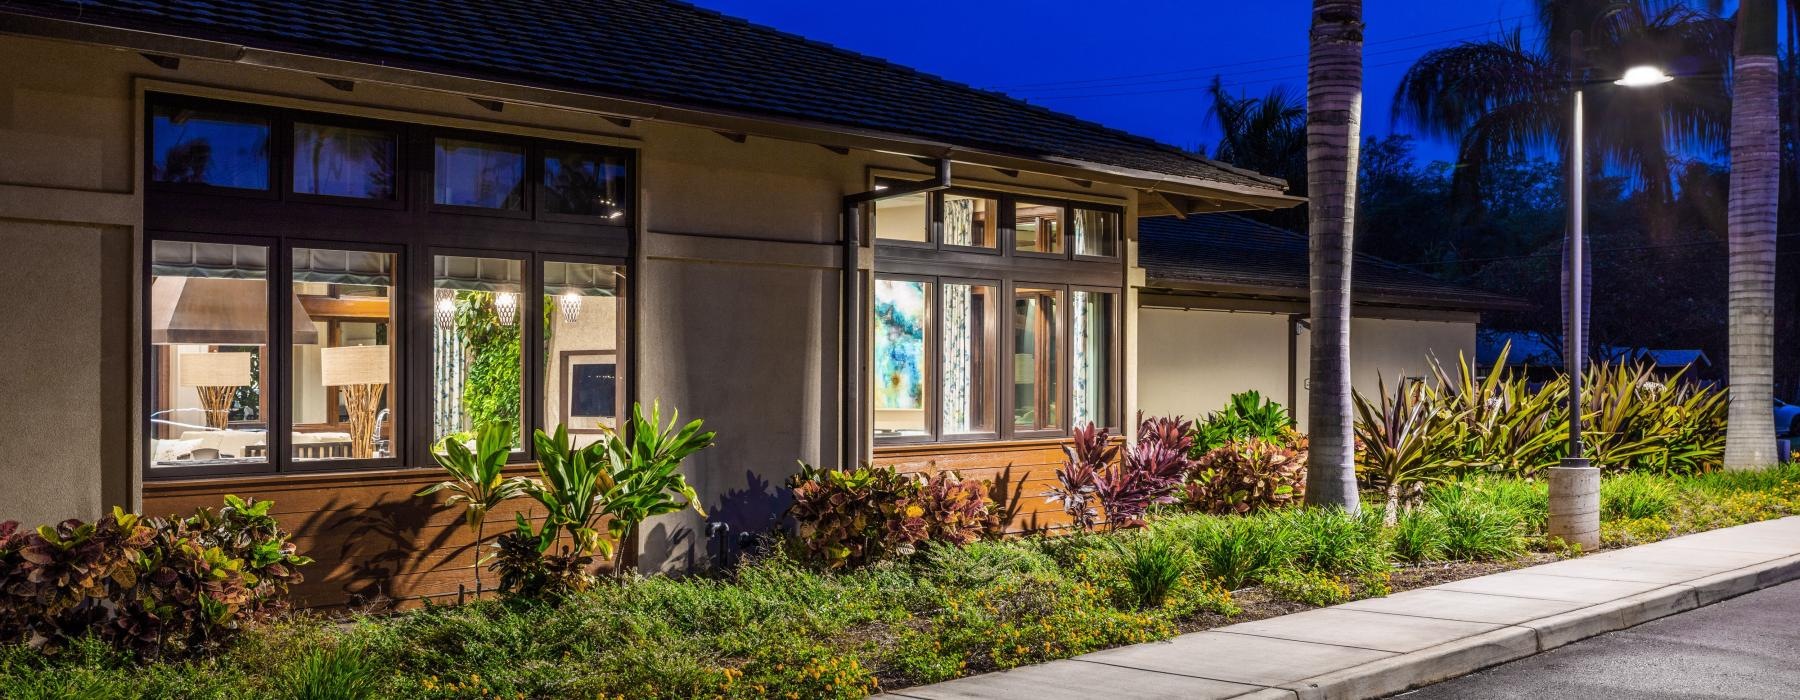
(995, 315)
(345, 319)
(209, 342)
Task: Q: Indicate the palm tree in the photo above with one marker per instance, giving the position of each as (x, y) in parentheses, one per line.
(1501, 99)
(1755, 183)
(1333, 132)
(1268, 135)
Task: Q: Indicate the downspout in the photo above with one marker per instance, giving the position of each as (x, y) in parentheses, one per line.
(854, 361)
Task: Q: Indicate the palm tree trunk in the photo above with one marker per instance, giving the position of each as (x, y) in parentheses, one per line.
(1755, 179)
(1333, 130)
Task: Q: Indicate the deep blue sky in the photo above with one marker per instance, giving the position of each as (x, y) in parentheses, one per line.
(1145, 63)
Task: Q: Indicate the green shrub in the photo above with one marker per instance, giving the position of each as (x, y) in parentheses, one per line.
(1248, 475)
(1635, 496)
(1529, 500)
(153, 586)
(1246, 416)
(338, 672)
(1237, 552)
(1479, 529)
(1153, 566)
(1309, 586)
(1421, 535)
(1331, 539)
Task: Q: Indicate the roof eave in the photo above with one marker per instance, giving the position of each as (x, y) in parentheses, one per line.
(1217, 288)
(1208, 195)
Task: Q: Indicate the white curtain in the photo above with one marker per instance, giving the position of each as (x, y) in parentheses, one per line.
(958, 349)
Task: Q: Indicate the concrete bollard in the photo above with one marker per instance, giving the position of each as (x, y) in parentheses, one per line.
(1575, 503)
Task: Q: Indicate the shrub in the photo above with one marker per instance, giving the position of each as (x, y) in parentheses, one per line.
(1246, 476)
(957, 511)
(337, 672)
(1240, 551)
(1308, 586)
(1149, 473)
(1246, 416)
(1153, 566)
(848, 518)
(152, 586)
(1635, 496)
(1421, 535)
(1093, 474)
(1408, 440)
(1088, 455)
(1331, 539)
(1479, 529)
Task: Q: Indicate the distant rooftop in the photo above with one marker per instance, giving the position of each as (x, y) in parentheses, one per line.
(1229, 253)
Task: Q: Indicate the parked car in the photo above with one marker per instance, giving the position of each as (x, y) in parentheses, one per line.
(1785, 413)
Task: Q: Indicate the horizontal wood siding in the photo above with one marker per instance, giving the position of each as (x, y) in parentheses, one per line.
(1020, 473)
(375, 545)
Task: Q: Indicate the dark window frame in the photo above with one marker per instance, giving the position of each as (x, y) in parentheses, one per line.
(1010, 216)
(281, 220)
(936, 220)
(1064, 370)
(929, 373)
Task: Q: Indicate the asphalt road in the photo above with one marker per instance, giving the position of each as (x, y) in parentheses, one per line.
(1746, 647)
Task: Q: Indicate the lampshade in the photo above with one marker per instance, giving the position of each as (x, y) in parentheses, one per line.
(214, 369)
(356, 364)
(218, 311)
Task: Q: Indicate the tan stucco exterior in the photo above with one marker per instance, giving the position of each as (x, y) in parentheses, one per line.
(1192, 360)
(736, 292)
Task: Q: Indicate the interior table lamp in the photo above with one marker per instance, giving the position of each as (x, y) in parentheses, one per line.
(215, 376)
(361, 371)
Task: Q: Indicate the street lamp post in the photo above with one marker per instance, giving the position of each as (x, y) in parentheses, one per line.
(1575, 483)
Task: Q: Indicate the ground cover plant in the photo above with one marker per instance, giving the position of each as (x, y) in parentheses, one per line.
(781, 626)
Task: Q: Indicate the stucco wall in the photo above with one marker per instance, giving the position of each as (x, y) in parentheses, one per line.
(1190, 361)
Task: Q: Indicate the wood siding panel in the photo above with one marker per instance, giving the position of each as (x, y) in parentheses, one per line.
(374, 544)
(1020, 472)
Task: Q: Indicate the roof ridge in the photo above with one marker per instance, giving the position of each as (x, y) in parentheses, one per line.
(992, 94)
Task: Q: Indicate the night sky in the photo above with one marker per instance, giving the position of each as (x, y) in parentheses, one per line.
(1141, 66)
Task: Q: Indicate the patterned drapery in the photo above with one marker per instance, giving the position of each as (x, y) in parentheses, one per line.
(959, 221)
(958, 349)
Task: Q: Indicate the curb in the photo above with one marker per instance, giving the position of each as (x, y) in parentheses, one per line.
(1404, 672)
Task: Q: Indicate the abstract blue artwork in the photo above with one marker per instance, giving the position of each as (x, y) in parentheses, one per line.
(900, 319)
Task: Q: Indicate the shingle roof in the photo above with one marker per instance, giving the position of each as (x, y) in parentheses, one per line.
(653, 50)
(1232, 251)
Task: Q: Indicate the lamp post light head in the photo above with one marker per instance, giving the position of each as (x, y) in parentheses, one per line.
(1643, 76)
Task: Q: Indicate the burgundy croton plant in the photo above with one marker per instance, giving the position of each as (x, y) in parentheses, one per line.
(1095, 479)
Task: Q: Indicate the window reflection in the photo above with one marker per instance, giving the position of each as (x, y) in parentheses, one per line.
(902, 339)
(583, 347)
(344, 162)
(209, 330)
(343, 379)
(585, 184)
(477, 367)
(476, 174)
(208, 147)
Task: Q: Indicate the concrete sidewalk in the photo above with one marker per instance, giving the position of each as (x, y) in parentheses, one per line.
(1371, 648)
